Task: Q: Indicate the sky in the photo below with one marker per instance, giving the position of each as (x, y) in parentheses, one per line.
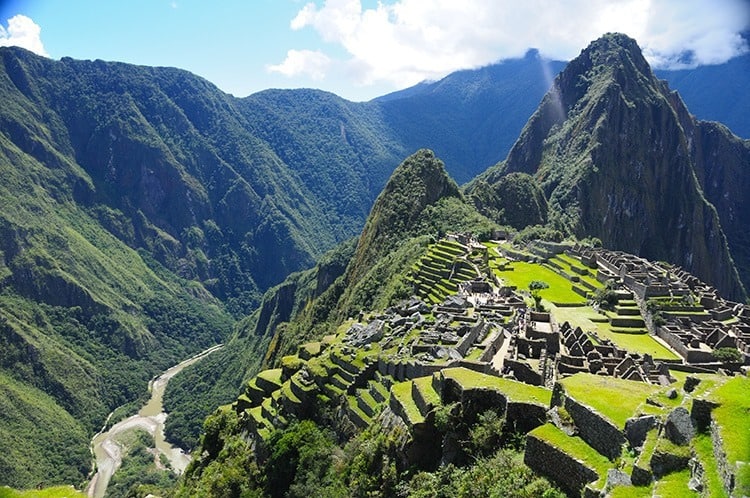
(364, 49)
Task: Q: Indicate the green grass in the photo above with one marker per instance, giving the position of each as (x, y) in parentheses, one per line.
(273, 376)
(704, 450)
(312, 348)
(474, 354)
(649, 445)
(616, 399)
(515, 391)
(424, 386)
(54, 492)
(367, 398)
(560, 289)
(352, 404)
(674, 484)
(402, 392)
(630, 492)
(733, 416)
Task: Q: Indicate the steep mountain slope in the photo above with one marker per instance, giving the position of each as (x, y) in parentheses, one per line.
(419, 201)
(182, 160)
(608, 147)
(716, 93)
(85, 320)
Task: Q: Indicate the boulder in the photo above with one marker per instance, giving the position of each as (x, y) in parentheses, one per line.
(636, 429)
(679, 427)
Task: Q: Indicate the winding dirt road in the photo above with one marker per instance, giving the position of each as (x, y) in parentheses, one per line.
(108, 451)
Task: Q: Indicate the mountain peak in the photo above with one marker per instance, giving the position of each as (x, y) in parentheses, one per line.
(608, 145)
(613, 47)
(419, 181)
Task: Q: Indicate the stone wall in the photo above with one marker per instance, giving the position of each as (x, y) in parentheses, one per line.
(726, 472)
(570, 474)
(470, 337)
(593, 428)
(701, 413)
(523, 372)
(405, 370)
(525, 417)
(474, 401)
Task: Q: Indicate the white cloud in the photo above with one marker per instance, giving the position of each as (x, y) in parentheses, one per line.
(405, 41)
(22, 32)
(303, 62)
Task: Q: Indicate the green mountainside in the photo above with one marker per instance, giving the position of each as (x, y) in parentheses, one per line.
(618, 157)
(142, 214)
(146, 215)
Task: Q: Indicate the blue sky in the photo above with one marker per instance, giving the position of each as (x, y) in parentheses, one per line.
(362, 49)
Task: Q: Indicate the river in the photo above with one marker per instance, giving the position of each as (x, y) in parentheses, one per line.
(108, 451)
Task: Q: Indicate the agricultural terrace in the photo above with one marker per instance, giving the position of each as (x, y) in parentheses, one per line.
(616, 399)
(520, 274)
(733, 416)
(514, 390)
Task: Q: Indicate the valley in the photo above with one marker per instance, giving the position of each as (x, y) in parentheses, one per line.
(107, 449)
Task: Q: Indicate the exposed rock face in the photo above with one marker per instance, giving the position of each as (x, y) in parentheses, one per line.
(619, 158)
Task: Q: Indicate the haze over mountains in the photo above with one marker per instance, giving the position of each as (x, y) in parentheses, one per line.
(143, 207)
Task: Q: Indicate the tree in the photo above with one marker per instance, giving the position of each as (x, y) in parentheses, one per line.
(728, 355)
(535, 287)
(606, 298)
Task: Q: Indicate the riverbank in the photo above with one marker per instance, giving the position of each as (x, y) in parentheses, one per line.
(108, 451)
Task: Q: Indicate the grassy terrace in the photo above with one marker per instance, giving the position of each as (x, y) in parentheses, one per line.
(616, 399)
(431, 272)
(514, 390)
(675, 484)
(560, 289)
(704, 451)
(424, 386)
(575, 447)
(585, 317)
(402, 392)
(273, 376)
(568, 263)
(733, 416)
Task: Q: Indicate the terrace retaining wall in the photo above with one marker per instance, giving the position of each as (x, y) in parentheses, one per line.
(570, 474)
(593, 428)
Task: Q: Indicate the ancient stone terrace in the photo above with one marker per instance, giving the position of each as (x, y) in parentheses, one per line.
(686, 313)
(482, 347)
